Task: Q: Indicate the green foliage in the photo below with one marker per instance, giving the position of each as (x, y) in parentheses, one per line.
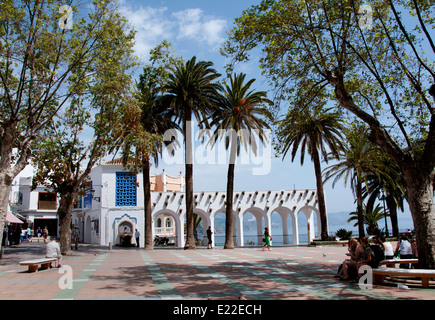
(371, 218)
(89, 122)
(45, 70)
(344, 234)
(299, 127)
(150, 118)
(191, 90)
(322, 50)
(241, 111)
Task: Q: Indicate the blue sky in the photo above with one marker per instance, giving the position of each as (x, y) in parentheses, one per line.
(198, 28)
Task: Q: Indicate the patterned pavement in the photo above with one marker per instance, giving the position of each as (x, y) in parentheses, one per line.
(285, 273)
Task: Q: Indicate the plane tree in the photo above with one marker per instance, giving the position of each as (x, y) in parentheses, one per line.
(63, 83)
(376, 61)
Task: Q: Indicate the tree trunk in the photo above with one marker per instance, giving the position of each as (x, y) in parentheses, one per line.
(229, 217)
(418, 176)
(359, 207)
(392, 208)
(147, 196)
(9, 169)
(320, 191)
(5, 190)
(190, 239)
(421, 203)
(64, 212)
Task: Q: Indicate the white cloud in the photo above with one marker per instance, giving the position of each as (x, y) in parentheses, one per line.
(155, 24)
(193, 24)
(151, 25)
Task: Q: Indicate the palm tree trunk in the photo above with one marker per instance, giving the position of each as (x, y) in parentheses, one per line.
(320, 192)
(392, 208)
(229, 218)
(359, 207)
(190, 239)
(147, 209)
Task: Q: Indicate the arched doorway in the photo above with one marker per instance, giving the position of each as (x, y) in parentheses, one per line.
(202, 222)
(307, 218)
(167, 225)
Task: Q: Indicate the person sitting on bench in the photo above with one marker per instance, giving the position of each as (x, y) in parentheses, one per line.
(53, 251)
(405, 250)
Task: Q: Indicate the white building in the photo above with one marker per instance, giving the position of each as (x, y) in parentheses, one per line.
(38, 206)
(114, 209)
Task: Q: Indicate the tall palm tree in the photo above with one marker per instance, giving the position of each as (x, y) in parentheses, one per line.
(358, 159)
(156, 118)
(191, 90)
(238, 119)
(314, 131)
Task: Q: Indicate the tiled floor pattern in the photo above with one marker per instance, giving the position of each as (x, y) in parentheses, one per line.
(297, 273)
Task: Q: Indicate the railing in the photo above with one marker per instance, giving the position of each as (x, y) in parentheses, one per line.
(168, 231)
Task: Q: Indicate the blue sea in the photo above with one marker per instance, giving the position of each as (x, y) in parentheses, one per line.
(251, 238)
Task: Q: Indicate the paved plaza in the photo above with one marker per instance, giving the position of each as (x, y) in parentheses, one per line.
(295, 273)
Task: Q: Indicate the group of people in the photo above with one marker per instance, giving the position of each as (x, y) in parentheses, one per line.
(360, 253)
(14, 234)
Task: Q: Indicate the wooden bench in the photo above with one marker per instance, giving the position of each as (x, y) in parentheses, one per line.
(391, 263)
(424, 274)
(34, 264)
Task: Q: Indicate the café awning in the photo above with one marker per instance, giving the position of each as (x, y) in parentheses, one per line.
(12, 219)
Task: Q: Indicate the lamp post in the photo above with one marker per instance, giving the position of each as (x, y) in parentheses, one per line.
(98, 199)
(385, 214)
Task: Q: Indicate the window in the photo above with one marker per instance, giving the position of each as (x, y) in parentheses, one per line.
(47, 201)
(126, 189)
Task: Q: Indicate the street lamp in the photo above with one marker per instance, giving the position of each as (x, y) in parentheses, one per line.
(385, 215)
(98, 199)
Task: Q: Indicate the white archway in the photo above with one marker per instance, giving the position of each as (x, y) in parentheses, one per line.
(179, 228)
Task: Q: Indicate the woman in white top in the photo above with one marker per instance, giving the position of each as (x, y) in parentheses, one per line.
(405, 250)
(389, 251)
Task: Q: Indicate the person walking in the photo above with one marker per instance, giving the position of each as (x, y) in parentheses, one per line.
(267, 239)
(210, 242)
(137, 236)
(39, 233)
(45, 234)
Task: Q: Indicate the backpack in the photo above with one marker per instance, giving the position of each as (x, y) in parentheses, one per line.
(379, 255)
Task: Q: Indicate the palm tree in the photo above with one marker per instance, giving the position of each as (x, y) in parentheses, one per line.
(156, 118)
(359, 158)
(191, 89)
(238, 118)
(388, 186)
(314, 131)
(371, 216)
(146, 119)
